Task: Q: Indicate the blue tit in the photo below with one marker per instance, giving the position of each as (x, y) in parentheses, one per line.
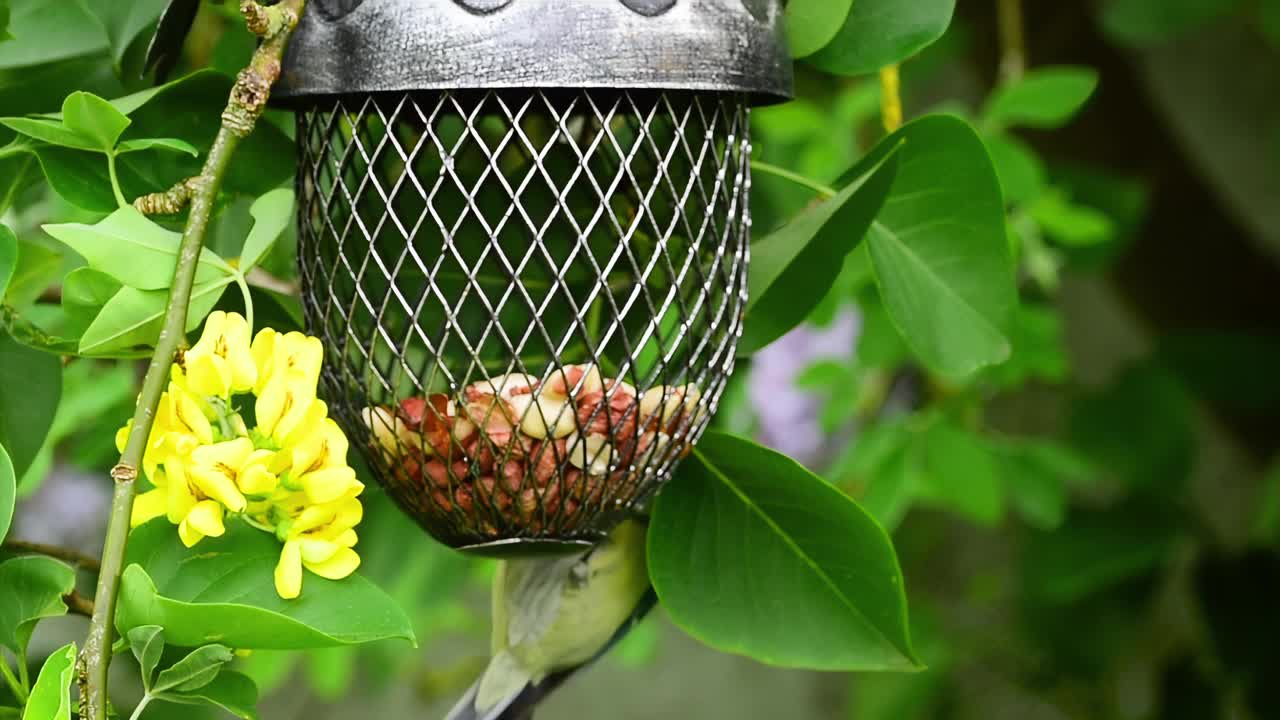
(553, 615)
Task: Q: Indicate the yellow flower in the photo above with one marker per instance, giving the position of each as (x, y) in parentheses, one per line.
(227, 470)
(293, 354)
(196, 515)
(221, 362)
(180, 412)
(179, 426)
(286, 405)
(320, 538)
(149, 505)
(318, 464)
(204, 520)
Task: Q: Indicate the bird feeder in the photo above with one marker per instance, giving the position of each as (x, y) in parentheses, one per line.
(523, 241)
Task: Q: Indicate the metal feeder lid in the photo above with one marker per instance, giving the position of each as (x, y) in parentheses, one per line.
(369, 46)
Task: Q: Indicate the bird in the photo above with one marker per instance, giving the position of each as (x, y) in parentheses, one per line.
(552, 616)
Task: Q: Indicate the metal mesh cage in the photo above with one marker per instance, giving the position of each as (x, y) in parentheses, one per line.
(530, 300)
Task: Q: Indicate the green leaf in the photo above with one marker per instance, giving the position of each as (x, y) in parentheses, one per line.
(882, 32)
(84, 292)
(31, 336)
(33, 589)
(51, 695)
(232, 691)
(95, 119)
(271, 214)
(81, 178)
(882, 469)
(30, 384)
(171, 144)
(793, 268)
(961, 474)
(4, 21)
(1039, 351)
(124, 21)
(50, 131)
(134, 317)
(811, 24)
(17, 172)
(8, 256)
(134, 250)
(225, 593)
(1146, 22)
(1046, 97)
(38, 267)
(1038, 475)
(1022, 174)
(1074, 226)
(752, 554)
(147, 643)
(46, 31)
(194, 671)
(939, 250)
(8, 492)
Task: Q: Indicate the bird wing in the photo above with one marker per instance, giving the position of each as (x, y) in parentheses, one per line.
(532, 594)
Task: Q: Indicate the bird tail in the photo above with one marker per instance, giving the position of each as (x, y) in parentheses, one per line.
(520, 696)
(497, 694)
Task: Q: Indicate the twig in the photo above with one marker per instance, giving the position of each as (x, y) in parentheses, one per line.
(84, 562)
(1013, 46)
(248, 100)
(78, 604)
(890, 98)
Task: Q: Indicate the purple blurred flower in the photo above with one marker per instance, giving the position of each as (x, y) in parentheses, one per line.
(788, 417)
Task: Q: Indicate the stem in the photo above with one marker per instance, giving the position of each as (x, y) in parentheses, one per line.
(24, 675)
(142, 705)
(115, 180)
(247, 101)
(18, 691)
(84, 562)
(890, 98)
(795, 177)
(1013, 44)
(248, 300)
(825, 190)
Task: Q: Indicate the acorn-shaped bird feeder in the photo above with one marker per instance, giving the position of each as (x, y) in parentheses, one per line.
(523, 241)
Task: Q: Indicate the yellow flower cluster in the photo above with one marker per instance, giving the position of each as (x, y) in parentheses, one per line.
(287, 475)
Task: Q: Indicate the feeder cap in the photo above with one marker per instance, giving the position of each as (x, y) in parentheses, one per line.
(344, 47)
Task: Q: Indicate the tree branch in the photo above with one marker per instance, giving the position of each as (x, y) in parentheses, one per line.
(84, 562)
(1013, 44)
(78, 604)
(248, 100)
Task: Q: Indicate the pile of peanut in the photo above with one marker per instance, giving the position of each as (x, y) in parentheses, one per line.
(538, 454)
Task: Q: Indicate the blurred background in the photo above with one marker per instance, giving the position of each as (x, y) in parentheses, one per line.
(1089, 531)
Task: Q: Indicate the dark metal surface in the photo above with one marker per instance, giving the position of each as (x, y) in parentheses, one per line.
(345, 47)
(449, 239)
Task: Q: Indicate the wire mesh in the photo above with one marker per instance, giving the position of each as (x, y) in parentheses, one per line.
(530, 300)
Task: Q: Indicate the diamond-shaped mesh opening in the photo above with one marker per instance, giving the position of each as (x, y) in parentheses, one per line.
(530, 300)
